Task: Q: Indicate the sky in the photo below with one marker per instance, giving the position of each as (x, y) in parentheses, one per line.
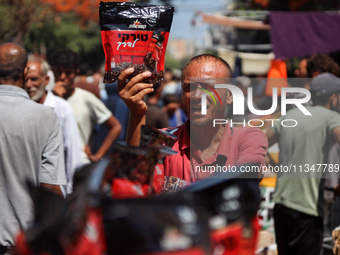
(184, 12)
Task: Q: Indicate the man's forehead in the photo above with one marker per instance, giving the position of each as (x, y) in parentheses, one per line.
(201, 64)
(210, 68)
(209, 80)
(33, 65)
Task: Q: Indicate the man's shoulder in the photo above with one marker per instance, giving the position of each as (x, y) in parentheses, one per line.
(319, 114)
(329, 112)
(250, 135)
(83, 96)
(61, 103)
(241, 131)
(46, 114)
(37, 115)
(84, 93)
(315, 110)
(38, 108)
(20, 97)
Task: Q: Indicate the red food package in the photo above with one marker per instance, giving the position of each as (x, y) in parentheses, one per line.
(158, 178)
(135, 35)
(131, 171)
(123, 188)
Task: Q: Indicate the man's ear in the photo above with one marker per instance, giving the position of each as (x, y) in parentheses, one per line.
(26, 71)
(25, 74)
(229, 97)
(333, 99)
(315, 74)
(47, 80)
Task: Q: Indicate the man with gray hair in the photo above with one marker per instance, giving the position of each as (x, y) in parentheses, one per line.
(37, 79)
(31, 146)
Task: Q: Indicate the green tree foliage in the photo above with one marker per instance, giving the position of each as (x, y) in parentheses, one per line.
(65, 32)
(45, 26)
(171, 62)
(43, 31)
(17, 16)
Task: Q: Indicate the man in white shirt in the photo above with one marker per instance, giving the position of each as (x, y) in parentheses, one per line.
(87, 108)
(37, 79)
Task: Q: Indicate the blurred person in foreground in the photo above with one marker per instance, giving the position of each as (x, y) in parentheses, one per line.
(88, 109)
(299, 201)
(37, 79)
(31, 146)
(199, 143)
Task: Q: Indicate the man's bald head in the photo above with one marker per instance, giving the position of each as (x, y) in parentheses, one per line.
(13, 61)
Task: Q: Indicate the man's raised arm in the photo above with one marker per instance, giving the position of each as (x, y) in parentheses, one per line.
(132, 93)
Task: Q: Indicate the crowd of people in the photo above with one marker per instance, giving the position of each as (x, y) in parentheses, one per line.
(46, 135)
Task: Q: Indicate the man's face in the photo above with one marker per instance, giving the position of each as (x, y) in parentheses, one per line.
(301, 71)
(192, 91)
(335, 103)
(35, 82)
(66, 76)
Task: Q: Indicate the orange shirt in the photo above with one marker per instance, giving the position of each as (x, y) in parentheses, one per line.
(276, 77)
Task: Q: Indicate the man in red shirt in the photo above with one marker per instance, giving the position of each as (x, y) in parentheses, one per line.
(200, 144)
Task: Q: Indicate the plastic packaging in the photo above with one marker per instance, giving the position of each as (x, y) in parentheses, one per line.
(134, 35)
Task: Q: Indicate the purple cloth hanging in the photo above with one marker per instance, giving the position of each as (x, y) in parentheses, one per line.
(300, 34)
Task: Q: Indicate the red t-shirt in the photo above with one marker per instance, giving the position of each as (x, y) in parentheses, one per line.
(238, 146)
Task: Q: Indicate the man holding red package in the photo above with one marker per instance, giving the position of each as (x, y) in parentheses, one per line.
(200, 144)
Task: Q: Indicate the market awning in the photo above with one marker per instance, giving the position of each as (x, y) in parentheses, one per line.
(234, 22)
(293, 34)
